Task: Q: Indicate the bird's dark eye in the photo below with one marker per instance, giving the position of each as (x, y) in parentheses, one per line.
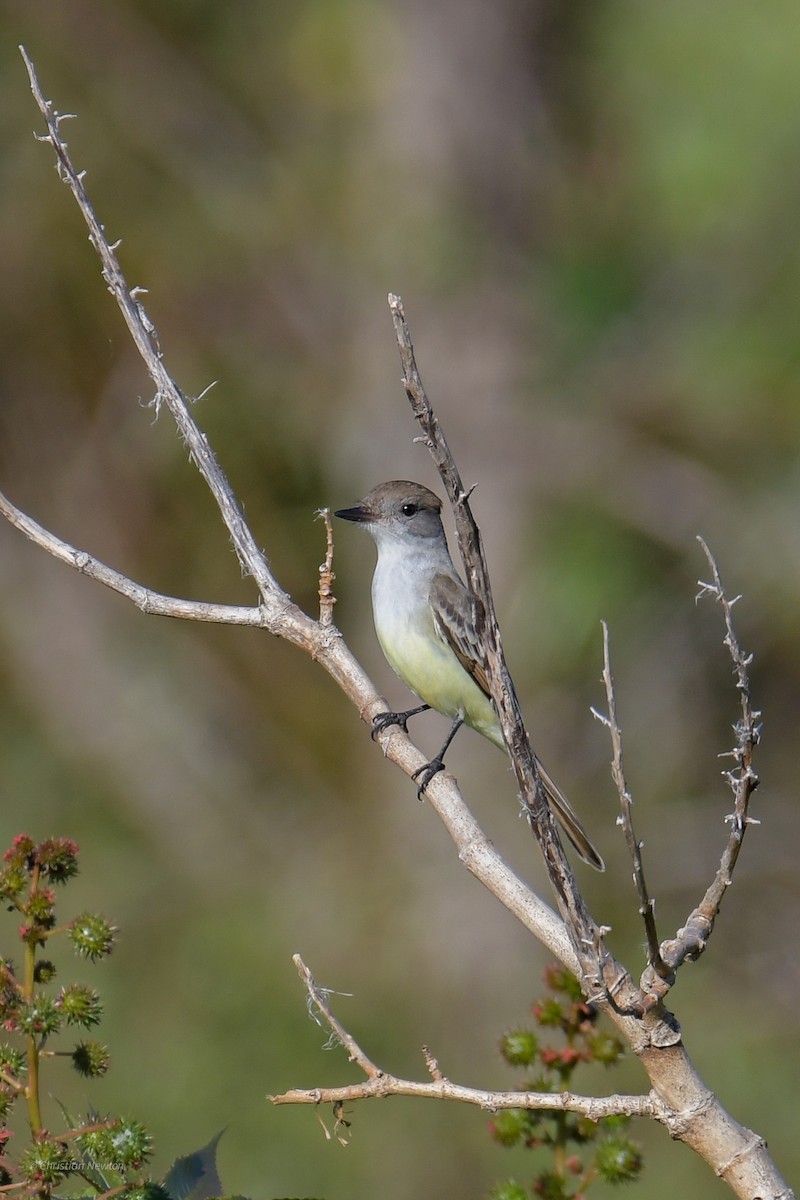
(409, 509)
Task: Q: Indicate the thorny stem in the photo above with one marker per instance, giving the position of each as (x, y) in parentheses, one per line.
(646, 904)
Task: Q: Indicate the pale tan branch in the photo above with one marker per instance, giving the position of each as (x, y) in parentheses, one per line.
(380, 1083)
(384, 1084)
(144, 598)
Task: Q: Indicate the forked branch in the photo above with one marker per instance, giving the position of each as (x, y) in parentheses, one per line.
(691, 940)
(380, 1083)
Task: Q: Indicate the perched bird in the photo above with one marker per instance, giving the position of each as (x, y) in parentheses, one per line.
(427, 623)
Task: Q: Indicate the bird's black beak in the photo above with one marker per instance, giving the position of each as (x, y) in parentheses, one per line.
(356, 513)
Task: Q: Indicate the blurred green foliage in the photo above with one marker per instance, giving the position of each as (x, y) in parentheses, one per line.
(591, 214)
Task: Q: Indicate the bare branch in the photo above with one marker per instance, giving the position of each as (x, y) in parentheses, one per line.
(145, 338)
(144, 598)
(320, 1011)
(646, 905)
(385, 1084)
(380, 1083)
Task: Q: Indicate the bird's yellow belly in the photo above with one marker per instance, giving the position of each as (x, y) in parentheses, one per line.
(430, 668)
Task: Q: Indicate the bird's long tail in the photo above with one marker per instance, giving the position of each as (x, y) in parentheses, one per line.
(569, 821)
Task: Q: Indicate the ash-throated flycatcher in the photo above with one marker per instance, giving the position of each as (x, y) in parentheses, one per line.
(425, 619)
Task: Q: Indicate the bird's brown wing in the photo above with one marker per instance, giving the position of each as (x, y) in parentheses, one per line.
(459, 620)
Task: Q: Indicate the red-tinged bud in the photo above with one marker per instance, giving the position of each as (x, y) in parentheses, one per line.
(58, 859)
(20, 852)
(40, 1017)
(33, 934)
(41, 908)
(585, 1014)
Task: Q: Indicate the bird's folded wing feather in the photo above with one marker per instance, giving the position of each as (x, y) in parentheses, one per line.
(458, 618)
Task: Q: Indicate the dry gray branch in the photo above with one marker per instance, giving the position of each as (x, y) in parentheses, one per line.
(380, 1083)
(148, 601)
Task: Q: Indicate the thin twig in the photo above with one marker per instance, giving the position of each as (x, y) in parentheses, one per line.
(380, 1083)
(326, 575)
(144, 598)
(432, 1063)
(646, 904)
(318, 996)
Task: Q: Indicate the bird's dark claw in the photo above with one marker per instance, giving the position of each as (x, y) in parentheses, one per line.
(426, 773)
(384, 720)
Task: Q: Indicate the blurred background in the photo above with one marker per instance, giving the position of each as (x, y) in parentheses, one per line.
(591, 212)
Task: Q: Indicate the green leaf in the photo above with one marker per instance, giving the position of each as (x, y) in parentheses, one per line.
(195, 1176)
(72, 1122)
